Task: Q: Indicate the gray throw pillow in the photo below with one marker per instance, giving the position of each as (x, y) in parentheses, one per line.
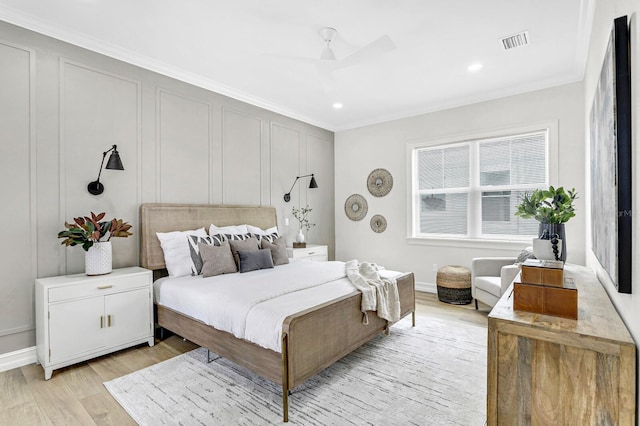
(254, 260)
(250, 244)
(194, 250)
(217, 260)
(278, 250)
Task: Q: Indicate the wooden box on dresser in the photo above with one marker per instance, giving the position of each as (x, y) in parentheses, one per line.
(544, 370)
(79, 317)
(318, 253)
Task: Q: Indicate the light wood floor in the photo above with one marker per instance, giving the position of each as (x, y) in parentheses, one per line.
(76, 396)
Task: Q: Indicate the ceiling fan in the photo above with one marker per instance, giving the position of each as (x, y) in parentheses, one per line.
(327, 62)
(376, 48)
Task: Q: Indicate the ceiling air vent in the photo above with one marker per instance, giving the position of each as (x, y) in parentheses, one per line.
(516, 40)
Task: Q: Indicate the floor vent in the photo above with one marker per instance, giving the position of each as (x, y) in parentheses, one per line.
(516, 40)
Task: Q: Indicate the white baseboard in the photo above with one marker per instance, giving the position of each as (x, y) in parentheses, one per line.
(18, 358)
(426, 287)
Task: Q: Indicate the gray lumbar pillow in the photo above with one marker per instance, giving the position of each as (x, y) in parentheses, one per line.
(254, 260)
(250, 244)
(278, 250)
(217, 260)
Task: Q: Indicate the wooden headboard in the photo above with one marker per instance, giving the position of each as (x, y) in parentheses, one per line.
(182, 217)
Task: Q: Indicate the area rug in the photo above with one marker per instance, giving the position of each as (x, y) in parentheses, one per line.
(433, 374)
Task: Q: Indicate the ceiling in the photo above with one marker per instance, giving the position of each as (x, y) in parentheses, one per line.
(266, 52)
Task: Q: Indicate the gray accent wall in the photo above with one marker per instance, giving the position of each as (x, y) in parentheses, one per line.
(62, 106)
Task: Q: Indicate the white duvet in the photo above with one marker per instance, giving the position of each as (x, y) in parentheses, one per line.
(253, 305)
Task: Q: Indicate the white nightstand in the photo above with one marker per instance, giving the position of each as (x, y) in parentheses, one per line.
(319, 253)
(79, 317)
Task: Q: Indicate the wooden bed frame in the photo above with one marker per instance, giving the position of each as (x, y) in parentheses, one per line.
(312, 339)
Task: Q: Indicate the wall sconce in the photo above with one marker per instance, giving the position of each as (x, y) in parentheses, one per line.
(312, 184)
(114, 163)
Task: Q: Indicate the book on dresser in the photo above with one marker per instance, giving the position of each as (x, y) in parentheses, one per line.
(545, 272)
(542, 288)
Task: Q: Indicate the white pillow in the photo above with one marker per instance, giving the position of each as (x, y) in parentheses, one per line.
(176, 250)
(258, 231)
(231, 230)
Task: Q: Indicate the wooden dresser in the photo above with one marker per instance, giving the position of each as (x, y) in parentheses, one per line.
(544, 370)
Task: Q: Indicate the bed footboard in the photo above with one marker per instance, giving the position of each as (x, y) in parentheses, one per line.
(314, 339)
(320, 336)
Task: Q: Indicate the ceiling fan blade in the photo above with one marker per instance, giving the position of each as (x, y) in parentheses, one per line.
(327, 81)
(376, 48)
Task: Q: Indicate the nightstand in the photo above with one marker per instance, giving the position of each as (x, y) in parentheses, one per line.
(79, 317)
(318, 253)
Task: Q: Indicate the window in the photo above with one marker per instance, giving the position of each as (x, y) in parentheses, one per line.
(470, 189)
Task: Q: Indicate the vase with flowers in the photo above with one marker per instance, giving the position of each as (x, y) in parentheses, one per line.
(301, 215)
(94, 235)
(552, 208)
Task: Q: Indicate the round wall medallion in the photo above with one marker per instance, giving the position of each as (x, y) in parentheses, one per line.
(379, 182)
(378, 223)
(356, 207)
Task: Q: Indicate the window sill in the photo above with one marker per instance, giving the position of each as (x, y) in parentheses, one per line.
(471, 243)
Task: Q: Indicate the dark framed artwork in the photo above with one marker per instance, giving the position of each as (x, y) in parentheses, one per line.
(610, 145)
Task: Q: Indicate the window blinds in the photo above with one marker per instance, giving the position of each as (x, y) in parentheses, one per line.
(472, 188)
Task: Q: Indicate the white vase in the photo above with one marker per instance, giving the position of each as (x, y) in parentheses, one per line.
(300, 237)
(98, 261)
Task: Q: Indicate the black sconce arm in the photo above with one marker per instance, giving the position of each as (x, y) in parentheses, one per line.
(114, 163)
(312, 184)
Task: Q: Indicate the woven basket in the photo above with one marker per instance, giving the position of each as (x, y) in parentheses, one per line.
(454, 285)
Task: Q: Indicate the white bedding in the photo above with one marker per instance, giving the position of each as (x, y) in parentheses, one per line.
(253, 305)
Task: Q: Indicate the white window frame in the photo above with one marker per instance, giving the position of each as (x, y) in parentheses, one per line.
(475, 238)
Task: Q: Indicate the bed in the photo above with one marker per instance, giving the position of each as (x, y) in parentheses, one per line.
(310, 341)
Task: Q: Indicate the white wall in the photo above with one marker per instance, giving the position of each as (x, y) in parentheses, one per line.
(359, 151)
(628, 305)
(62, 106)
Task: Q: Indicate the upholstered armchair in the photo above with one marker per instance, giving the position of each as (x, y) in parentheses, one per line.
(490, 278)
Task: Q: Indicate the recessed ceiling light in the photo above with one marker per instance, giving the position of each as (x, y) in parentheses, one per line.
(474, 67)
(337, 105)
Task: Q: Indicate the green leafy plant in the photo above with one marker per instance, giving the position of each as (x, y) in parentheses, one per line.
(85, 231)
(553, 205)
(301, 215)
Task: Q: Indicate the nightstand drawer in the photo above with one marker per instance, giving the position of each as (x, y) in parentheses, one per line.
(310, 251)
(97, 286)
(319, 253)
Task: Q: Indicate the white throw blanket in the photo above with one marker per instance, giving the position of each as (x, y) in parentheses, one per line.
(378, 293)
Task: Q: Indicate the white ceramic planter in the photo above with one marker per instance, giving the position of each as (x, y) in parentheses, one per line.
(300, 237)
(98, 260)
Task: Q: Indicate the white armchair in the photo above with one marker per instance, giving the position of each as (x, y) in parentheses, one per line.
(490, 278)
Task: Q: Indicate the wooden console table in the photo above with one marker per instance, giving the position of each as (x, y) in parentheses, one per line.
(544, 370)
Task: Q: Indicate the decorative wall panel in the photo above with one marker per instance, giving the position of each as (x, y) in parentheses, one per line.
(183, 133)
(320, 162)
(241, 158)
(98, 110)
(17, 160)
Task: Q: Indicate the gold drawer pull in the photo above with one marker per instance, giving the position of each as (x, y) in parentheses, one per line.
(312, 252)
(108, 320)
(103, 287)
(101, 321)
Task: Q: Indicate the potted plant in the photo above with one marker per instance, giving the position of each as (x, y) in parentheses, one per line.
(301, 215)
(551, 207)
(90, 232)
